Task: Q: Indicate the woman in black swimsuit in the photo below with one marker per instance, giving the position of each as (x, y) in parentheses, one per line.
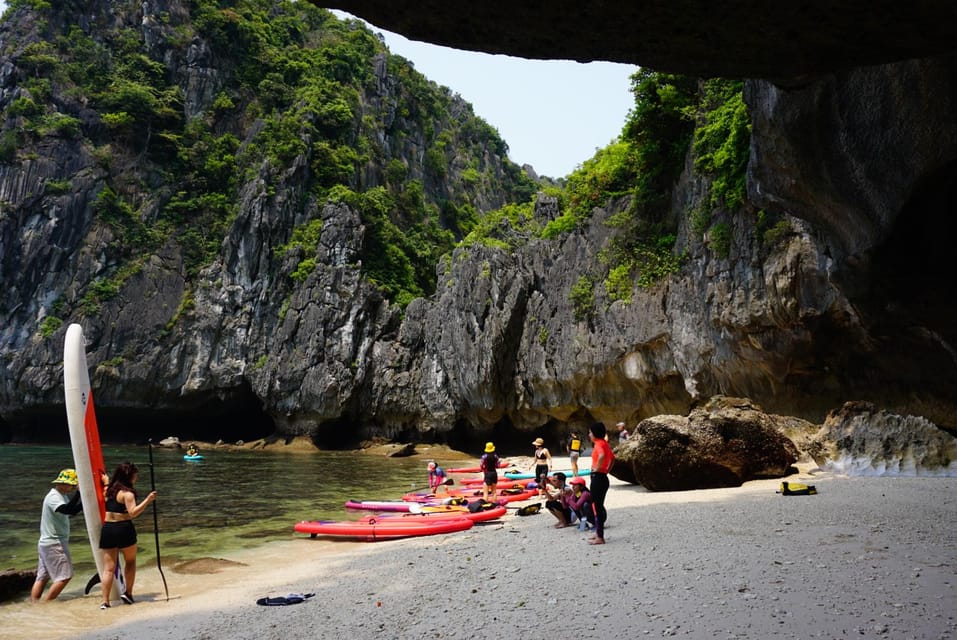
(542, 460)
(118, 532)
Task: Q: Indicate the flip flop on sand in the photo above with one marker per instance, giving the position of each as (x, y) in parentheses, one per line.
(281, 601)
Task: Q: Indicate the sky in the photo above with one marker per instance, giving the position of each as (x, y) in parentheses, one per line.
(553, 114)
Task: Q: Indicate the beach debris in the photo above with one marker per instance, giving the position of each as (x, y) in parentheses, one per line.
(282, 601)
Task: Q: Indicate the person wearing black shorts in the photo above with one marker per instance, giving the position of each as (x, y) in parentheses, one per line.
(118, 533)
(489, 466)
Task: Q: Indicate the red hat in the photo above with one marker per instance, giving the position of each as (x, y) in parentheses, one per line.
(578, 480)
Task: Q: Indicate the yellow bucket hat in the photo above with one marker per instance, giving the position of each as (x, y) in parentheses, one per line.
(489, 447)
(67, 476)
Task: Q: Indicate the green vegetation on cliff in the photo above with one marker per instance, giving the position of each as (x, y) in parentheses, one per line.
(191, 114)
(672, 113)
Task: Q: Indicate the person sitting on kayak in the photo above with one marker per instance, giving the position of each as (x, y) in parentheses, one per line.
(437, 478)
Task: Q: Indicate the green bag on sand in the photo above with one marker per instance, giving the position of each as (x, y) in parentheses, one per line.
(529, 509)
(796, 489)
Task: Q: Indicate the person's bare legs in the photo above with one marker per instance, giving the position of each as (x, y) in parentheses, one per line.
(37, 590)
(129, 568)
(110, 557)
(55, 589)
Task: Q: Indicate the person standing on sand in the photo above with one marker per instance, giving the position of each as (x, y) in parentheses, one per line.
(489, 467)
(622, 432)
(118, 532)
(542, 461)
(574, 449)
(601, 461)
(53, 548)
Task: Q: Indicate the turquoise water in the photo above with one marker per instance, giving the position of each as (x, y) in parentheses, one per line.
(230, 500)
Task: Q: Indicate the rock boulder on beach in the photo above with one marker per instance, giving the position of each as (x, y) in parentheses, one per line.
(725, 443)
(13, 583)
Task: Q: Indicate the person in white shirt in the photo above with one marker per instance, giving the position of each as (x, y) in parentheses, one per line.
(622, 432)
(53, 548)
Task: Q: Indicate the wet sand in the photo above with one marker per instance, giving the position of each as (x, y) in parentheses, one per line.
(866, 557)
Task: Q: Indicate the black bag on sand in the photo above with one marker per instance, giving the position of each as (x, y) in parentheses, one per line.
(479, 505)
(529, 509)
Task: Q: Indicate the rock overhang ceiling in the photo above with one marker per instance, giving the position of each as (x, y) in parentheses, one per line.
(781, 41)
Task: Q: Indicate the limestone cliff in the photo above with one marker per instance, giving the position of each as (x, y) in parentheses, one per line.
(847, 301)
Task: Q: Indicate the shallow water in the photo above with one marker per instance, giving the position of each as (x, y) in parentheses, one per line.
(230, 500)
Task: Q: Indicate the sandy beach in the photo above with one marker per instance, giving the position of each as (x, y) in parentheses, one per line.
(866, 557)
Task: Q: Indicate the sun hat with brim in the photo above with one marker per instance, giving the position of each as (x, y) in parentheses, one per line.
(489, 447)
(67, 476)
(538, 442)
(577, 480)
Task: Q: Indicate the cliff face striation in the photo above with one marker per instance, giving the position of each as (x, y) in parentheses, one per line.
(848, 301)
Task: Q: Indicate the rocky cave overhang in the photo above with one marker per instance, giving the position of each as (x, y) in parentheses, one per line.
(780, 41)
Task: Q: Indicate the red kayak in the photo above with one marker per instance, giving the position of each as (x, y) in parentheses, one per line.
(372, 529)
(501, 465)
(503, 483)
(440, 512)
(508, 495)
(378, 505)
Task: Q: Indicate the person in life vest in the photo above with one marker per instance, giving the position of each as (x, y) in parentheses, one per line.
(574, 449)
(489, 466)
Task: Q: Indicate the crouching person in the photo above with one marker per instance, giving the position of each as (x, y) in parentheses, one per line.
(557, 504)
(579, 504)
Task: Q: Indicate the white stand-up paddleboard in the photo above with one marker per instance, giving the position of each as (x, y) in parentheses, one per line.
(85, 440)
